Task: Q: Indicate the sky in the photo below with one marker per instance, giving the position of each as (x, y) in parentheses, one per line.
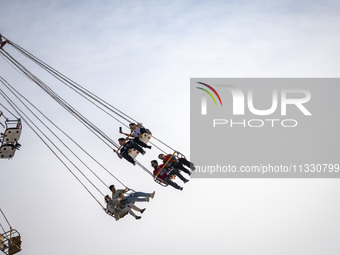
(140, 56)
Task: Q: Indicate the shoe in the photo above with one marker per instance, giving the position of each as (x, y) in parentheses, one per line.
(141, 211)
(138, 217)
(134, 163)
(143, 152)
(149, 146)
(192, 167)
(147, 199)
(153, 194)
(180, 188)
(185, 181)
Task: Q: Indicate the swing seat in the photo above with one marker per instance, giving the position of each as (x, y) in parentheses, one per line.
(10, 242)
(123, 215)
(7, 151)
(12, 132)
(133, 153)
(145, 137)
(14, 245)
(161, 182)
(112, 215)
(11, 135)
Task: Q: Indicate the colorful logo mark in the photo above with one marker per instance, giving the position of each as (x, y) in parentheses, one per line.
(209, 93)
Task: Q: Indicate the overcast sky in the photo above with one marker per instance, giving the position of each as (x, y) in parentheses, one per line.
(140, 56)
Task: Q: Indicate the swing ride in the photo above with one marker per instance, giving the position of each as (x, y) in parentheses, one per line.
(46, 129)
(10, 137)
(10, 240)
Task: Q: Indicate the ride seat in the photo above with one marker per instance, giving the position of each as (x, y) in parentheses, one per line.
(7, 151)
(112, 214)
(133, 153)
(11, 135)
(14, 245)
(145, 137)
(161, 182)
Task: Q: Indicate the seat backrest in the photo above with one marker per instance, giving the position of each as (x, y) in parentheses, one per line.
(133, 152)
(144, 137)
(7, 151)
(11, 135)
(14, 245)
